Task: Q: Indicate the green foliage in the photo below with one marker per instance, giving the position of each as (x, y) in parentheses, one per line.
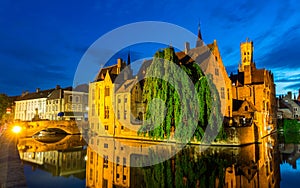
(4, 103)
(173, 91)
(291, 125)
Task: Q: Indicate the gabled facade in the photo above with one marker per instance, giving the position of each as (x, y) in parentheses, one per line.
(102, 98)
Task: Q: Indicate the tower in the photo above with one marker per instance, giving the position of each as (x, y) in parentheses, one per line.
(246, 53)
(246, 60)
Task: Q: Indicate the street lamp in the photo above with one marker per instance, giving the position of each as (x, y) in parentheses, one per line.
(16, 129)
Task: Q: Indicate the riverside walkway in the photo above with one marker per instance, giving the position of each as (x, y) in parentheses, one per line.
(11, 168)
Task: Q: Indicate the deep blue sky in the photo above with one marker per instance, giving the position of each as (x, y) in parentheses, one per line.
(42, 42)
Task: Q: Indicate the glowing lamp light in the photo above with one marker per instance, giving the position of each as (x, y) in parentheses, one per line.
(16, 129)
(86, 158)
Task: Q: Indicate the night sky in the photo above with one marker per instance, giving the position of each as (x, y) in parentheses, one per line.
(42, 42)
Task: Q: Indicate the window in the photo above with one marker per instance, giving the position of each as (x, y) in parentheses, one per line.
(106, 91)
(93, 109)
(246, 108)
(91, 174)
(228, 95)
(106, 112)
(216, 58)
(106, 127)
(118, 114)
(105, 145)
(125, 114)
(77, 99)
(93, 94)
(105, 161)
(91, 157)
(118, 160)
(119, 100)
(70, 98)
(125, 100)
(124, 161)
(295, 109)
(222, 93)
(216, 71)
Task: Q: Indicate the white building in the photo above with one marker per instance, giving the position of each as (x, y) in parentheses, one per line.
(28, 104)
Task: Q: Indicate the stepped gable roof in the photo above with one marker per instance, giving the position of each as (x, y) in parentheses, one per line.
(35, 95)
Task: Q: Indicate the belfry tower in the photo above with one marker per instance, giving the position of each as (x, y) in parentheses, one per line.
(247, 64)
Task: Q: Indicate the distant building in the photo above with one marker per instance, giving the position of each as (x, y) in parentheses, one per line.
(68, 104)
(53, 104)
(289, 107)
(257, 87)
(28, 103)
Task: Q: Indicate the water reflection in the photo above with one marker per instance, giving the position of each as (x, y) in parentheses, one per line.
(289, 146)
(59, 155)
(112, 163)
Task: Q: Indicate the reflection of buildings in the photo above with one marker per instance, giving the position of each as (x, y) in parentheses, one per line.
(290, 149)
(62, 158)
(110, 164)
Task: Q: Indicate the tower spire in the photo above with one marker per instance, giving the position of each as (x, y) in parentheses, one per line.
(199, 32)
(128, 58)
(199, 38)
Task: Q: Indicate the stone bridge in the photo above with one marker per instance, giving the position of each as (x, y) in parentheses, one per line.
(30, 128)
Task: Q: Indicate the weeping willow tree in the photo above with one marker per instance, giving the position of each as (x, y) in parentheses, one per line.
(179, 100)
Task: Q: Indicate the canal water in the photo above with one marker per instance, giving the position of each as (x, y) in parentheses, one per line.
(68, 161)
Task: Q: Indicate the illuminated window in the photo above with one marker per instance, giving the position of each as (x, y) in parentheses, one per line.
(124, 161)
(216, 71)
(91, 174)
(93, 109)
(222, 93)
(106, 112)
(106, 91)
(105, 161)
(125, 114)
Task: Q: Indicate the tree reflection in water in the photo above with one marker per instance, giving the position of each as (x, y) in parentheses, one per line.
(255, 165)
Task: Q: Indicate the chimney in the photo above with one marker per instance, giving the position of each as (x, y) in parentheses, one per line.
(119, 65)
(186, 47)
(289, 95)
(38, 90)
(57, 87)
